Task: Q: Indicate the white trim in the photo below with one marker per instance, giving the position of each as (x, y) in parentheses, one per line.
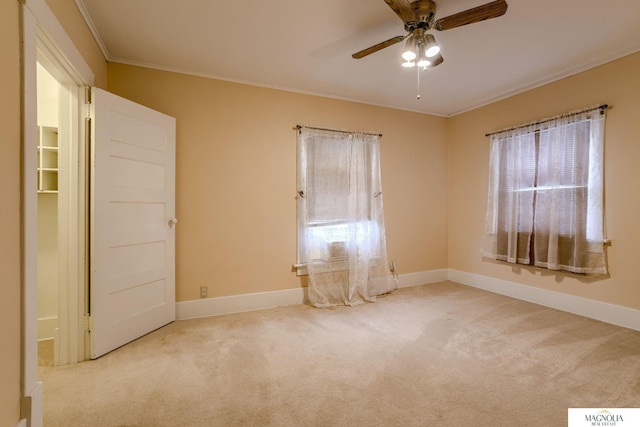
(41, 36)
(239, 303)
(516, 91)
(92, 27)
(22, 423)
(605, 312)
(58, 40)
(29, 227)
(262, 300)
(71, 226)
(31, 407)
(562, 74)
(212, 76)
(422, 278)
(47, 327)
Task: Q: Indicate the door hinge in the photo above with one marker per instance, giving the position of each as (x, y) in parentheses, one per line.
(87, 323)
(88, 339)
(88, 105)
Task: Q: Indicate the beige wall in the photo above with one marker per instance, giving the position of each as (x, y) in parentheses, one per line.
(10, 214)
(236, 177)
(616, 83)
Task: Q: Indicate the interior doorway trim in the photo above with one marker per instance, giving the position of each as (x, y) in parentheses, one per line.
(39, 29)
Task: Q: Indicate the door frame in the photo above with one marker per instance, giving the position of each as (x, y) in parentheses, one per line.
(71, 198)
(43, 37)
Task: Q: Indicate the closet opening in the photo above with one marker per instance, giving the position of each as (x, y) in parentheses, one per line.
(61, 214)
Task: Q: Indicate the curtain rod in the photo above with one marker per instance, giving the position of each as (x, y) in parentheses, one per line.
(569, 114)
(298, 127)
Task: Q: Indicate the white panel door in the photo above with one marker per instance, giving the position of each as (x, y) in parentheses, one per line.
(132, 236)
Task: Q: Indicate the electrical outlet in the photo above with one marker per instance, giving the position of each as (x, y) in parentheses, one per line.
(203, 291)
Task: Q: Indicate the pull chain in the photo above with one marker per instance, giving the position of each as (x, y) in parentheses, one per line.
(418, 96)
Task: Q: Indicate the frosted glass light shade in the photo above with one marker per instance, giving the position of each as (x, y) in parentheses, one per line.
(432, 48)
(410, 51)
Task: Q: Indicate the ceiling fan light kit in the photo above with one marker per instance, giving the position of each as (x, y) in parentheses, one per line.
(421, 49)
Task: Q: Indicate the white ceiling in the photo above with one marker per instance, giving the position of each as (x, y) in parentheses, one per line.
(305, 46)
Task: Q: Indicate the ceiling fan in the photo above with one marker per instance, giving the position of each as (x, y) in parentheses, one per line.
(419, 17)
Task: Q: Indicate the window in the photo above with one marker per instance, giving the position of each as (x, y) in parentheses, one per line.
(341, 238)
(545, 204)
(328, 186)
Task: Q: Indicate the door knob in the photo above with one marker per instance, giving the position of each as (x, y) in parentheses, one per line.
(173, 221)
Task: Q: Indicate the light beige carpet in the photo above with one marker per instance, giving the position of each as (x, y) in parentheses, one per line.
(434, 355)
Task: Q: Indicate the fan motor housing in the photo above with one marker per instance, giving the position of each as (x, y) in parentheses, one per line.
(425, 11)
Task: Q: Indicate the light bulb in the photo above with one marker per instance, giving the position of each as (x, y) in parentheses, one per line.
(432, 48)
(422, 56)
(409, 53)
(433, 51)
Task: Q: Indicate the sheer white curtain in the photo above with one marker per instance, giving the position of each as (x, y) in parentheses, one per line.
(341, 217)
(545, 204)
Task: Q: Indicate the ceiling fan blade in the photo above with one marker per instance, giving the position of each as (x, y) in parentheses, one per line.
(377, 47)
(403, 9)
(476, 14)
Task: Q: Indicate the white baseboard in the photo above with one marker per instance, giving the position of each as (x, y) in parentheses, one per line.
(47, 327)
(605, 312)
(609, 313)
(239, 303)
(31, 407)
(247, 302)
(422, 278)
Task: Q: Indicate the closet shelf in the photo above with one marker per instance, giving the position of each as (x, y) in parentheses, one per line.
(47, 159)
